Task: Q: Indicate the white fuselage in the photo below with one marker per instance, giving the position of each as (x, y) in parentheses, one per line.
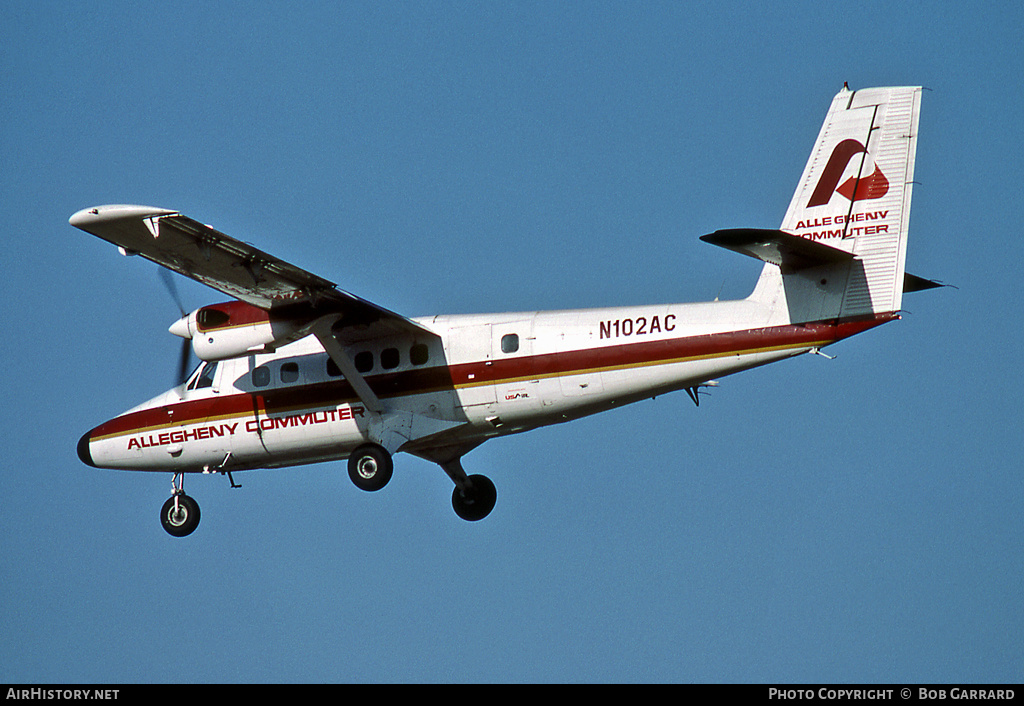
(481, 376)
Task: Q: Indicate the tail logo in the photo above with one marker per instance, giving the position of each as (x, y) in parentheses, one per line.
(874, 186)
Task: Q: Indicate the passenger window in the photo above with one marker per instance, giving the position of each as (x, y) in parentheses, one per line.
(289, 372)
(261, 376)
(389, 358)
(510, 343)
(419, 354)
(332, 368)
(364, 361)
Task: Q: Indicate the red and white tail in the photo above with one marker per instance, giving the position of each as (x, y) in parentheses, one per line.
(854, 194)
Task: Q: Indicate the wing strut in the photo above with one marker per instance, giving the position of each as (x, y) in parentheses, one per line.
(322, 330)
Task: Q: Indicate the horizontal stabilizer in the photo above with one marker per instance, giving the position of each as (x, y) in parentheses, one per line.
(788, 251)
(913, 283)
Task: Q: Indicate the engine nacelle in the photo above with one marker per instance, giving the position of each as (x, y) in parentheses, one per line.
(233, 329)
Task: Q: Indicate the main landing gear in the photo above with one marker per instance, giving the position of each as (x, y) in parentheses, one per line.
(474, 496)
(475, 500)
(370, 467)
(180, 514)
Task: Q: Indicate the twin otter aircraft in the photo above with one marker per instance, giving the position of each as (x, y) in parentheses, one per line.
(298, 371)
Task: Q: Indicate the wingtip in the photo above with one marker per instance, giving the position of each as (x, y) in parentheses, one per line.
(111, 212)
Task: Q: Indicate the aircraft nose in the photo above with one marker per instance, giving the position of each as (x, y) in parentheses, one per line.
(83, 450)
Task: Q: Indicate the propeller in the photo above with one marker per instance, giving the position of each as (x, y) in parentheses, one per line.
(185, 356)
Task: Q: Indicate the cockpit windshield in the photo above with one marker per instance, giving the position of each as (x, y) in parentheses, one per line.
(203, 377)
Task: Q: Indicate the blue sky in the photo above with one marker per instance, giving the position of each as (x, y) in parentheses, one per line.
(853, 520)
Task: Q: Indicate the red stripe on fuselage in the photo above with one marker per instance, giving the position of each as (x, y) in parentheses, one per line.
(432, 379)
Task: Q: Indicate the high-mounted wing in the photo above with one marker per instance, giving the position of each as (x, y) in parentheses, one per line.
(238, 269)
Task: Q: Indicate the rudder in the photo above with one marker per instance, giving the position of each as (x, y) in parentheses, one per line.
(855, 192)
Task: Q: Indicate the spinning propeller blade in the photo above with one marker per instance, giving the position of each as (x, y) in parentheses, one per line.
(185, 356)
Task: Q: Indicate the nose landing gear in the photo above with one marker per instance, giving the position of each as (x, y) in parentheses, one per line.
(180, 514)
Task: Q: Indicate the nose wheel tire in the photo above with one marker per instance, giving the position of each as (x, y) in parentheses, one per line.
(180, 515)
(370, 467)
(477, 500)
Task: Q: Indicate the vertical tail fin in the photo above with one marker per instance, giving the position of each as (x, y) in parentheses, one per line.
(855, 191)
(842, 247)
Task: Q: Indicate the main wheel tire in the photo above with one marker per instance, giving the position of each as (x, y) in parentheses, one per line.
(477, 501)
(180, 520)
(370, 467)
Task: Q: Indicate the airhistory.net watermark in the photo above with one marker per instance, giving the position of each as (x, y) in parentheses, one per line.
(48, 694)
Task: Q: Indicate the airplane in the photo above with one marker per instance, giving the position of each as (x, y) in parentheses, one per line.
(295, 370)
